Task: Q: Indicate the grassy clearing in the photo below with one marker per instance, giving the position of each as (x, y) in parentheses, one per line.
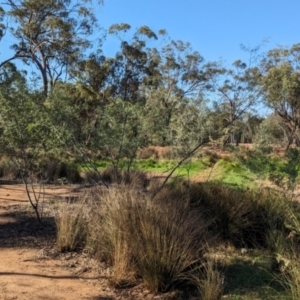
(283, 171)
(165, 166)
(243, 170)
(230, 171)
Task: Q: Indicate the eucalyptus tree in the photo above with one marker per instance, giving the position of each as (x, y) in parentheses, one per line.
(281, 83)
(180, 79)
(270, 133)
(50, 34)
(120, 76)
(113, 88)
(239, 92)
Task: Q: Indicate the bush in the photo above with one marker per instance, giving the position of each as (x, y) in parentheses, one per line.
(54, 170)
(8, 170)
(155, 152)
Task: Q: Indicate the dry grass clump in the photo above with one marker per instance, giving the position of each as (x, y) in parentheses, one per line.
(241, 217)
(71, 224)
(212, 156)
(134, 178)
(286, 264)
(161, 243)
(155, 152)
(163, 239)
(209, 282)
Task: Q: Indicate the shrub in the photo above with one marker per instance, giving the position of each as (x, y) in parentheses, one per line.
(8, 170)
(146, 153)
(155, 152)
(54, 170)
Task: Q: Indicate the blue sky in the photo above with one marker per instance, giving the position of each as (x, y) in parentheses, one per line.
(215, 28)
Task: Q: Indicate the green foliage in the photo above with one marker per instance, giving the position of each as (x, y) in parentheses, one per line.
(50, 35)
(284, 172)
(282, 89)
(22, 130)
(269, 133)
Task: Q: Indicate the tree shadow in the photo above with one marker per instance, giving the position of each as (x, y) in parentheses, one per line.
(243, 277)
(23, 229)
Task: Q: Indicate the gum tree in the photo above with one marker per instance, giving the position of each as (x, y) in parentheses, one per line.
(281, 83)
(50, 34)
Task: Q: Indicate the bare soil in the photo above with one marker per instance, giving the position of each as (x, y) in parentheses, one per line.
(30, 266)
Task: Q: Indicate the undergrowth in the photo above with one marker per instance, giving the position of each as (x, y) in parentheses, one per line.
(166, 240)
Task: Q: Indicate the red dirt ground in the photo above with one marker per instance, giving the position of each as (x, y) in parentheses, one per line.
(32, 269)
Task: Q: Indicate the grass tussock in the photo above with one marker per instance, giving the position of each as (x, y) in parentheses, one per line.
(291, 277)
(241, 217)
(162, 243)
(209, 282)
(71, 227)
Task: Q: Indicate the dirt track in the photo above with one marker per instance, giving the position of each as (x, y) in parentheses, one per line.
(32, 269)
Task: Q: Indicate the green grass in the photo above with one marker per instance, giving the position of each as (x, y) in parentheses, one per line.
(165, 166)
(232, 172)
(100, 164)
(244, 172)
